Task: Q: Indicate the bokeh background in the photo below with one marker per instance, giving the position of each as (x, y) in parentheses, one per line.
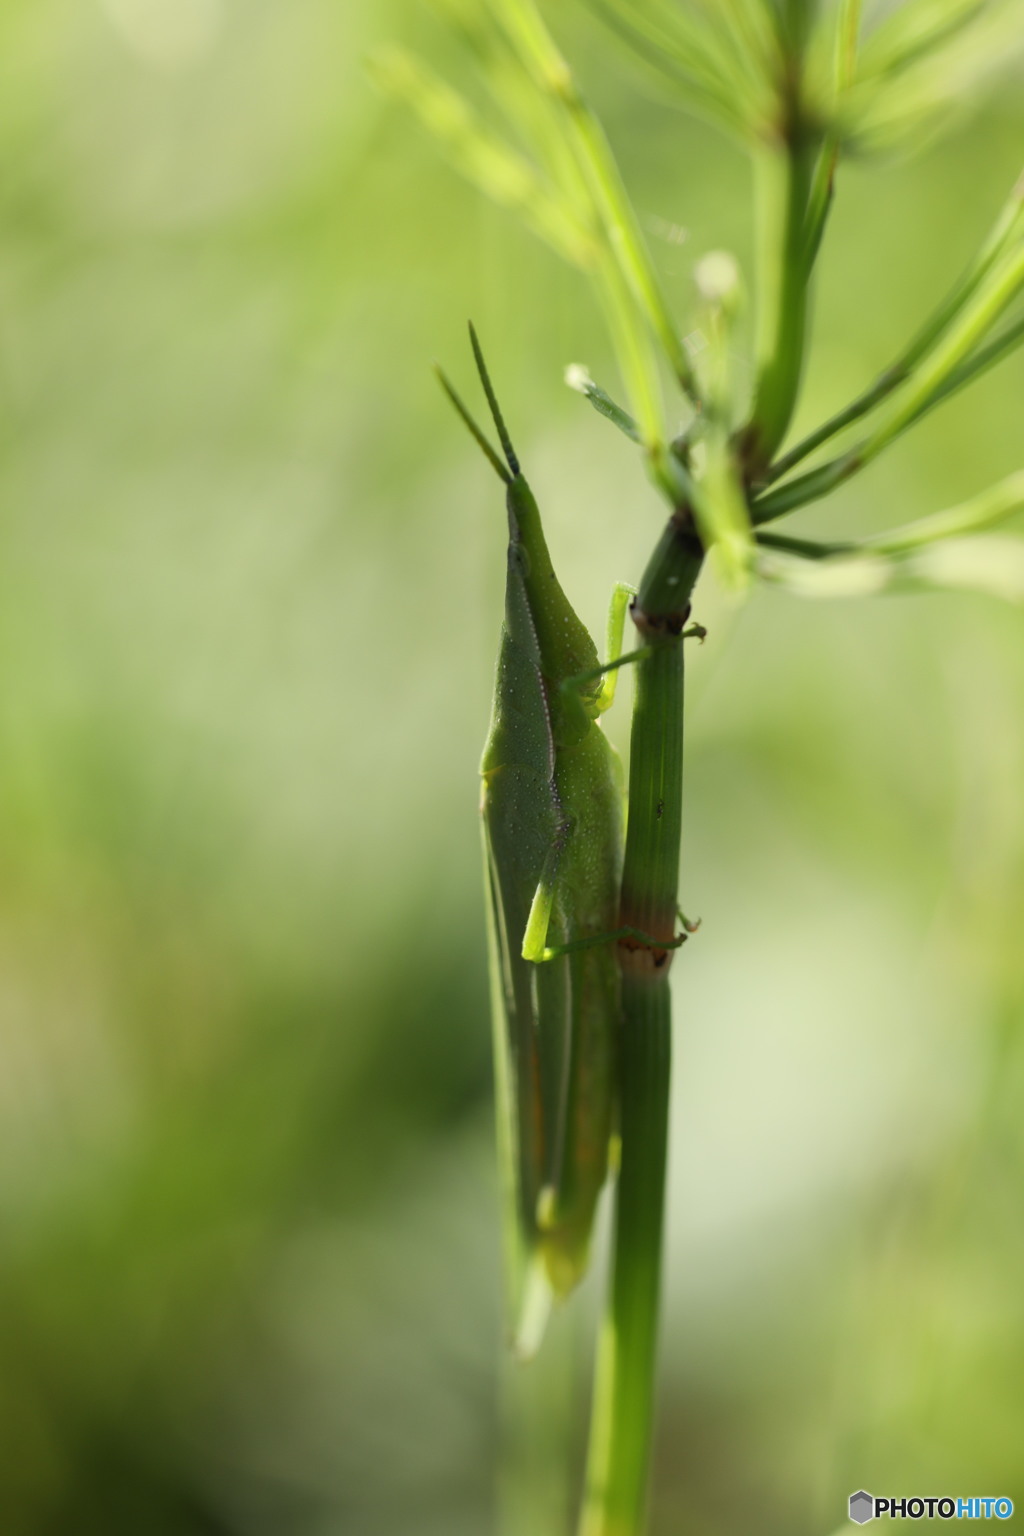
(250, 583)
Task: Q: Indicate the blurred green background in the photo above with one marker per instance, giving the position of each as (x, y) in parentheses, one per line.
(250, 584)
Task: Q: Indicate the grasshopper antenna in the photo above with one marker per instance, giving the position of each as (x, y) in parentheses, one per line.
(463, 410)
(492, 401)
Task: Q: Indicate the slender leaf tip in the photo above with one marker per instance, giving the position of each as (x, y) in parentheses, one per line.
(578, 378)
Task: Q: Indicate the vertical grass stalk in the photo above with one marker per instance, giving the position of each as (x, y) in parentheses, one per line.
(623, 1405)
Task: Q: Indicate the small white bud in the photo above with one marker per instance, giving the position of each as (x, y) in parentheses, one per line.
(578, 378)
(718, 278)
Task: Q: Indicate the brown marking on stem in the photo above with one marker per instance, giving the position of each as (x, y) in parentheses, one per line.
(636, 959)
(660, 625)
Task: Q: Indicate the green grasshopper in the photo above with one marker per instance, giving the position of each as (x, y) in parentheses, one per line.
(552, 810)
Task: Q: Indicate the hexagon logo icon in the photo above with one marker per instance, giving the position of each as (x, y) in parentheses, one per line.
(862, 1507)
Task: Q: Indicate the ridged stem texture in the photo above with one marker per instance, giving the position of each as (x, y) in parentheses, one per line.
(623, 1405)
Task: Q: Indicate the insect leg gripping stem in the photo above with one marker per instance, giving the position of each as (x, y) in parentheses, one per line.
(633, 935)
(535, 946)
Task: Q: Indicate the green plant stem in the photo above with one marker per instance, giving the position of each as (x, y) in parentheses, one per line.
(822, 191)
(783, 179)
(623, 1403)
(623, 1410)
(819, 202)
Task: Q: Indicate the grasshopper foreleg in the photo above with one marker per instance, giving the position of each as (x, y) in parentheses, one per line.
(622, 596)
(645, 940)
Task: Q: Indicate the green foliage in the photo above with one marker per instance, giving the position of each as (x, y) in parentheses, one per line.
(534, 89)
(800, 84)
(250, 576)
(802, 93)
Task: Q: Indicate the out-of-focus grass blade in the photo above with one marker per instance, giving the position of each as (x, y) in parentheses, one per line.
(992, 298)
(567, 188)
(483, 157)
(635, 352)
(939, 372)
(984, 511)
(838, 576)
(913, 103)
(752, 25)
(914, 29)
(847, 41)
(687, 57)
(542, 58)
(991, 565)
(577, 378)
(986, 357)
(507, 82)
(844, 64)
(1002, 239)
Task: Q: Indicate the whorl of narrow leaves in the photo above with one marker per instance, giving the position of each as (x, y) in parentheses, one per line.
(562, 176)
(800, 83)
(718, 58)
(943, 550)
